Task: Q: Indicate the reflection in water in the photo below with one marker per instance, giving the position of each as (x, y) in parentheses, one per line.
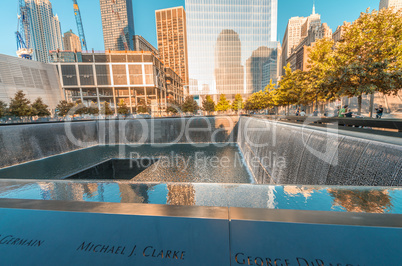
(134, 194)
(337, 199)
(181, 195)
(370, 201)
(296, 191)
(229, 72)
(261, 68)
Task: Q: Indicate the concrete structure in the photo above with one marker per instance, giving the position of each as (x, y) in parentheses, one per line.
(234, 29)
(397, 4)
(171, 29)
(137, 78)
(296, 31)
(117, 24)
(140, 44)
(45, 29)
(71, 42)
(35, 79)
(338, 34)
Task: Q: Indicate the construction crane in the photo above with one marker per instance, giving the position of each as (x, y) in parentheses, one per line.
(122, 33)
(23, 32)
(78, 19)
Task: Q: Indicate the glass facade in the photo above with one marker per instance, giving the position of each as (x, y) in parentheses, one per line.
(230, 45)
(117, 24)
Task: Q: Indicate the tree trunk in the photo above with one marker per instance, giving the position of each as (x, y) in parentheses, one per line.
(371, 105)
(359, 104)
(316, 103)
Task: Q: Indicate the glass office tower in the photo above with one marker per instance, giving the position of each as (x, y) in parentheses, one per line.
(230, 43)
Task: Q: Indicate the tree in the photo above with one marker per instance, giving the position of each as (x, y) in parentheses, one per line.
(189, 105)
(105, 109)
(208, 104)
(93, 109)
(223, 104)
(20, 106)
(237, 103)
(122, 108)
(262, 99)
(370, 56)
(63, 108)
(39, 108)
(142, 107)
(293, 89)
(321, 61)
(80, 108)
(173, 107)
(3, 109)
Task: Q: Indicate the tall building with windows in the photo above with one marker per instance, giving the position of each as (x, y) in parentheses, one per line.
(118, 24)
(296, 30)
(397, 4)
(172, 39)
(45, 29)
(222, 36)
(71, 42)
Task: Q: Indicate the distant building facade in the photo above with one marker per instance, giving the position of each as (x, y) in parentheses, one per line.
(229, 72)
(45, 29)
(397, 4)
(140, 44)
(234, 28)
(171, 29)
(117, 24)
(261, 68)
(337, 36)
(35, 79)
(137, 78)
(296, 30)
(298, 58)
(71, 42)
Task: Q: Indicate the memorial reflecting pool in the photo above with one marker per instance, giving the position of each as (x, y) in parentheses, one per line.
(317, 198)
(203, 163)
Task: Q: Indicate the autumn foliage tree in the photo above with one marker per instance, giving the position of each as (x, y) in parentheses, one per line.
(223, 104)
(208, 104)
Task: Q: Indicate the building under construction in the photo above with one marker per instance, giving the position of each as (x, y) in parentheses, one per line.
(137, 78)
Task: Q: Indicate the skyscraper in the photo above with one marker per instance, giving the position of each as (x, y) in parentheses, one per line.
(117, 24)
(397, 4)
(229, 73)
(227, 28)
(45, 29)
(71, 42)
(172, 39)
(296, 30)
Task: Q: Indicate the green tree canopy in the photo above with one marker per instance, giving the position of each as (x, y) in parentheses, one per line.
(143, 108)
(3, 109)
(20, 105)
(93, 109)
(238, 103)
(173, 107)
(80, 108)
(122, 108)
(208, 104)
(39, 108)
(223, 104)
(63, 107)
(321, 61)
(370, 56)
(189, 105)
(105, 109)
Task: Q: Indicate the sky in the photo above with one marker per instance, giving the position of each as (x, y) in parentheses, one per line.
(333, 12)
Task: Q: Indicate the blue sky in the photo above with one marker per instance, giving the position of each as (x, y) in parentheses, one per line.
(333, 12)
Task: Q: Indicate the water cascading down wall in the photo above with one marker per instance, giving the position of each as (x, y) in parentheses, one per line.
(276, 153)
